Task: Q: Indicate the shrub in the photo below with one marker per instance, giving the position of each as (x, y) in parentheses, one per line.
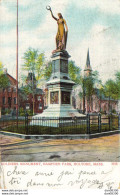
(21, 112)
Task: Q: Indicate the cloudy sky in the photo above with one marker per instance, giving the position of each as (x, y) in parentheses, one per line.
(91, 23)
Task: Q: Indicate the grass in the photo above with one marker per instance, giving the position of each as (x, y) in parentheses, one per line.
(43, 130)
(74, 128)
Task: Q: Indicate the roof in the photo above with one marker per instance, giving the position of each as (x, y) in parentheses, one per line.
(88, 66)
(37, 91)
(12, 80)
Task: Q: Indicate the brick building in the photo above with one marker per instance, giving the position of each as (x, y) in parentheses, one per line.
(8, 96)
(26, 99)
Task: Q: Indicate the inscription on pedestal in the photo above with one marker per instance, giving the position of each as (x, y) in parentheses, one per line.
(54, 97)
(65, 97)
(60, 66)
(55, 66)
(64, 66)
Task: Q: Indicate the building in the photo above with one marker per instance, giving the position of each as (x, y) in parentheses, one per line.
(26, 101)
(97, 103)
(33, 94)
(8, 96)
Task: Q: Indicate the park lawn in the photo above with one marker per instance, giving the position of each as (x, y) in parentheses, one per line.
(47, 130)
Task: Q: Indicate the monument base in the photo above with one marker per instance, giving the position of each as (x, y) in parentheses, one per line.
(51, 116)
(60, 111)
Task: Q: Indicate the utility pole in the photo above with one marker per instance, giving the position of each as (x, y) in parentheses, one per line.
(17, 63)
(33, 91)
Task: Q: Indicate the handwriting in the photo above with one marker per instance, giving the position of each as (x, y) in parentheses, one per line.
(103, 172)
(63, 173)
(99, 184)
(54, 185)
(52, 177)
(86, 173)
(44, 174)
(33, 183)
(82, 182)
(16, 172)
(15, 180)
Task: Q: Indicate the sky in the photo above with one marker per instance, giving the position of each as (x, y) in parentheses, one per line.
(93, 24)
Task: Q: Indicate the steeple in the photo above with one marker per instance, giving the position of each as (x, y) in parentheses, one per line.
(88, 68)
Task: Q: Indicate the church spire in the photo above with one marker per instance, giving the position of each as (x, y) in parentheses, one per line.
(88, 68)
(88, 59)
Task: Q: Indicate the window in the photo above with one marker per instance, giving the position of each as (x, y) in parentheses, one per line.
(40, 106)
(9, 101)
(3, 100)
(39, 98)
(14, 89)
(27, 106)
(15, 100)
(9, 89)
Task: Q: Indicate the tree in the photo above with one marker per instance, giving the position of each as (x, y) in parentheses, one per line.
(34, 64)
(88, 87)
(118, 82)
(4, 81)
(48, 70)
(101, 93)
(111, 90)
(74, 72)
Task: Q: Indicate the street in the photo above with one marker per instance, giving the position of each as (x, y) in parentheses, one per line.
(105, 149)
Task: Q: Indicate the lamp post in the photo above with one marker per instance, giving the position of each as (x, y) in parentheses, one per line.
(17, 63)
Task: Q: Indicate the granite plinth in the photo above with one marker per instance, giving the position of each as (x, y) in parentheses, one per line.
(55, 112)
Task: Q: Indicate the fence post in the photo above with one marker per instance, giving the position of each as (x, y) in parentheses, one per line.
(26, 123)
(109, 121)
(88, 124)
(99, 122)
(119, 121)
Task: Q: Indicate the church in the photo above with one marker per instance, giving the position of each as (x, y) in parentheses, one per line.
(98, 103)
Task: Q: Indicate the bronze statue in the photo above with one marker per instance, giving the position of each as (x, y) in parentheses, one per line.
(61, 37)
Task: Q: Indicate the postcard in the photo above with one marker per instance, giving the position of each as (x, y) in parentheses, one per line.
(59, 96)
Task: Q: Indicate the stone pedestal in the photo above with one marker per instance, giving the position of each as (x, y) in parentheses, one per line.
(59, 89)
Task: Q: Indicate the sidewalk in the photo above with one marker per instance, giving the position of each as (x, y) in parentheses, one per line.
(98, 149)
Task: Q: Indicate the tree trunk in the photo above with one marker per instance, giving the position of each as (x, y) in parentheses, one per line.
(33, 104)
(83, 101)
(89, 103)
(109, 103)
(100, 103)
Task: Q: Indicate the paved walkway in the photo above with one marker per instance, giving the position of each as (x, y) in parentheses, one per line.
(98, 149)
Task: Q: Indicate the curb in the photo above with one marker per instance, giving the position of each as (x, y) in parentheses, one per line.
(77, 136)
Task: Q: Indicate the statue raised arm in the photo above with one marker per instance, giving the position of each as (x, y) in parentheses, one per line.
(62, 33)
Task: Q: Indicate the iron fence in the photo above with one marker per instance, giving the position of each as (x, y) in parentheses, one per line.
(61, 125)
